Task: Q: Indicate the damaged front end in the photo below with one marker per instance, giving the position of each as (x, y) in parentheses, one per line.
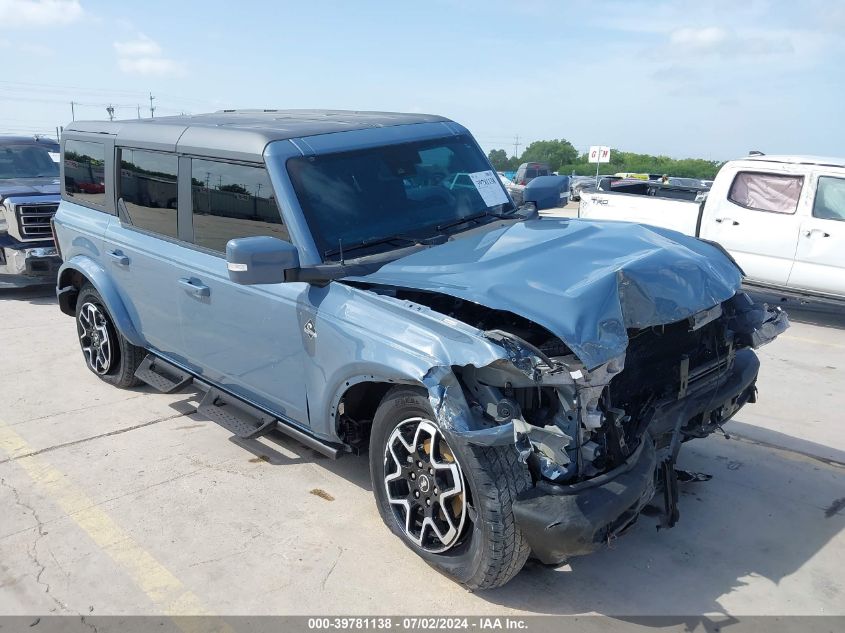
(599, 442)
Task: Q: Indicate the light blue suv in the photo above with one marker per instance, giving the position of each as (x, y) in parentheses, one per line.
(362, 282)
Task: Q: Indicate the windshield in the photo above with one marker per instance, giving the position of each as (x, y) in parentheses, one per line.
(28, 161)
(392, 195)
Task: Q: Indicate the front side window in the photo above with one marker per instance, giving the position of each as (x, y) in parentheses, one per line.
(231, 201)
(382, 198)
(85, 178)
(830, 199)
(149, 191)
(766, 192)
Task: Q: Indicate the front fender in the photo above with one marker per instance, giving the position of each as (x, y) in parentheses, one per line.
(99, 278)
(375, 373)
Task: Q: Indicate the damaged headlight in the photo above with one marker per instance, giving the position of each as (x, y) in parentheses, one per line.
(559, 444)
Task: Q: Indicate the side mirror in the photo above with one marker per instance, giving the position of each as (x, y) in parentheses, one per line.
(260, 260)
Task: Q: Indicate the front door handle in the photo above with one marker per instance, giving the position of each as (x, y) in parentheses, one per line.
(809, 233)
(731, 220)
(195, 287)
(118, 258)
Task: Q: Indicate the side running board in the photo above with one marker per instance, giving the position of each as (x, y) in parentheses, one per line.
(235, 416)
(161, 375)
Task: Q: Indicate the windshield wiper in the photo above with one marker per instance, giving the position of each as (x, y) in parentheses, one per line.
(343, 248)
(474, 218)
(459, 221)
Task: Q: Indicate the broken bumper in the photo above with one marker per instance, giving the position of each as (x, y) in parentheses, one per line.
(563, 521)
(28, 266)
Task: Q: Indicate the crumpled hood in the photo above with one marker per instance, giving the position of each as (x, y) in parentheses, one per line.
(584, 281)
(28, 186)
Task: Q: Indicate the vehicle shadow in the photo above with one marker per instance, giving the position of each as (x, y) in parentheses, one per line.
(764, 515)
(277, 449)
(38, 295)
(820, 313)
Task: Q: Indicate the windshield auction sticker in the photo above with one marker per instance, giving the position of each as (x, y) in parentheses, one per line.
(490, 188)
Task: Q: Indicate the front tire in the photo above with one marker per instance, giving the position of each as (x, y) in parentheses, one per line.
(107, 353)
(471, 534)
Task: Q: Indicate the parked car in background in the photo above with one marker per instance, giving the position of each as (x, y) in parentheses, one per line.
(29, 196)
(693, 191)
(528, 171)
(507, 182)
(512, 188)
(577, 184)
(690, 182)
(362, 282)
(782, 218)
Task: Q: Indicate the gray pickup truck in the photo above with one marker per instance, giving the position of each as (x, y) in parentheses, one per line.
(29, 197)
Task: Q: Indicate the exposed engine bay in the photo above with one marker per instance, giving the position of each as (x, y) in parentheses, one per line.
(571, 424)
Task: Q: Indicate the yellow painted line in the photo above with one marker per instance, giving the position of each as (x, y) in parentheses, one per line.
(790, 337)
(165, 590)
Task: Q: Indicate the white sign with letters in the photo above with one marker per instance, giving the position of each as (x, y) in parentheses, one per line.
(599, 154)
(490, 187)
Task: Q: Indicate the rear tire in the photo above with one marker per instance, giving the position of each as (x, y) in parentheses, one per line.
(489, 549)
(107, 353)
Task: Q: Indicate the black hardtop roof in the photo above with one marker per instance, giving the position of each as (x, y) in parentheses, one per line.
(240, 134)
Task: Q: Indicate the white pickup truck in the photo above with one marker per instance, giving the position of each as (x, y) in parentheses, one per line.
(781, 217)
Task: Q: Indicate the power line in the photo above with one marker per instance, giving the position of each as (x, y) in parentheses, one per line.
(76, 90)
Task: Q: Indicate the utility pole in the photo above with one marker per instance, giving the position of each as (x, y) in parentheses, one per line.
(72, 112)
(139, 110)
(516, 145)
(58, 136)
(110, 110)
(152, 107)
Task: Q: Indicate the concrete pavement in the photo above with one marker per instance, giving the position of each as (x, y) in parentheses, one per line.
(127, 502)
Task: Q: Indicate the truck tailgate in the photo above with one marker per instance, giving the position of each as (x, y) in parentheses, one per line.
(678, 215)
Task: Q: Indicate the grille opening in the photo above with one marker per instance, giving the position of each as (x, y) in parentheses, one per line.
(34, 220)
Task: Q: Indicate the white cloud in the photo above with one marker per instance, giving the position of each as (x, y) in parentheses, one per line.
(707, 37)
(713, 40)
(142, 46)
(15, 13)
(144, 56)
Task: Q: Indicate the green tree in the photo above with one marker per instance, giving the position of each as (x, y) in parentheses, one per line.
(499, 159)
(233, 188)
(556, 153)
(646, 164)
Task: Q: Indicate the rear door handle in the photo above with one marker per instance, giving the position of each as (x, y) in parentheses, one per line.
(809, 233)
(118, 258)
(195, 287)
(731, 220)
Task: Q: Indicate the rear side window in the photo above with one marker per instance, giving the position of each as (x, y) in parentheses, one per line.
(231, 201)
(85, 171)
(830, 199)
(149, 191)
(766, 192)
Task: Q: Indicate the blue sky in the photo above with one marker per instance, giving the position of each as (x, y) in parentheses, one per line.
(702, 79)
